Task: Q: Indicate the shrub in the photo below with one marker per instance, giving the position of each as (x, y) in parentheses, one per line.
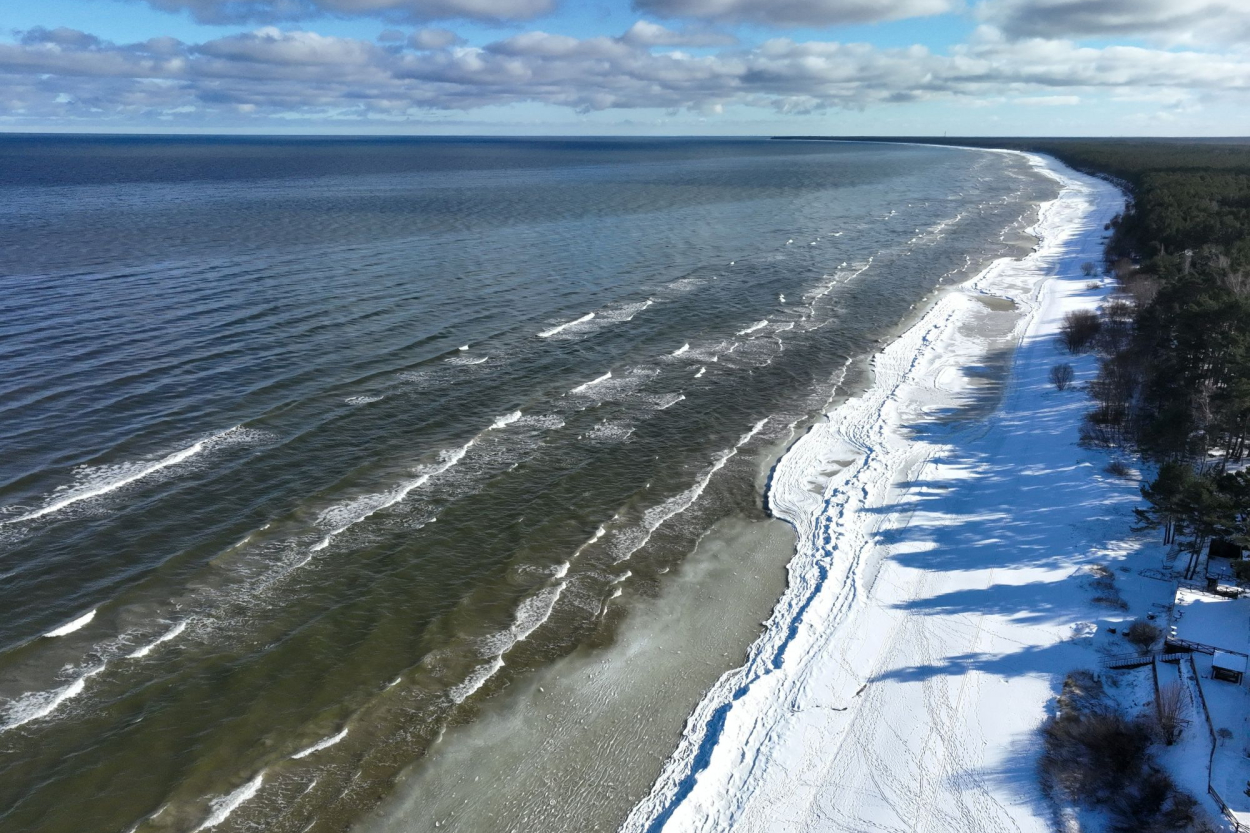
(1142, 634)
(1089, 268)
(1079, 330)
(1091, 751)
(1118, 468)
(1061, 376)
(1241, 569)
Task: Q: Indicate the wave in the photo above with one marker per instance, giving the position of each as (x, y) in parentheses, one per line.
(70, 627)
(505, 420)
(671, 401)
(344, 516)
(324, 743)
(605, 377)
(758, 325)
(165, 637)
(681, 349)
(702, 370)
(476, 680)
(94, 481)
(363, 400)
(561, 327)
(657, 516)
(39, 704)
(222, 807)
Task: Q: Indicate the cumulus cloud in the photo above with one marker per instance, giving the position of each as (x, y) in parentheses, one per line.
(296, 74)
(645, 33)
(431, 38)
(1173, 21)
(796, 12)
(274, 11)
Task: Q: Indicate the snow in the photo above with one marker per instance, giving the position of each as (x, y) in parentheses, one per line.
(1213, 621)
(1229, 662)
(941, 586)
(1229, 706)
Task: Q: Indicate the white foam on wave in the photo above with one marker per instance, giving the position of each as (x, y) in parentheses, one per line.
(671, 401)
(225, 805)
(702, 370)
(605, 377)
(476, 679)
(657, 516)
(561, 327)
(758, 325)
(464, 348)
(363, 400)
(681, 349)
(599, 533)
(345, 515)
(505, 420)
(95, 481)
(70, 627)
(37, 704)
(172, 633)
(324, 743)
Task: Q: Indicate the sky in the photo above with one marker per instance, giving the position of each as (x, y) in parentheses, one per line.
(628, 67)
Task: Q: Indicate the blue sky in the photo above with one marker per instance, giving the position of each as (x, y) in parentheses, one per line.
(666, 67)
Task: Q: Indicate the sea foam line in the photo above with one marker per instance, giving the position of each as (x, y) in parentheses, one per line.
(605, 377)
(657, 516)
(225, 805)
(758, 325)
(370, 505)
(76, 624)
(135, 472)
(165, 637)
(37, 704)
(561, 327)
(324, 743)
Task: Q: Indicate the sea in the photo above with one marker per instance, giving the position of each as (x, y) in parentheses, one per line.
(315, 452)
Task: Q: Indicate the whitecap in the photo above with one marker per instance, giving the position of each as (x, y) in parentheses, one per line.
(94, 481)
(76, 624)
(605, 377)
(324, 743)
(165, 637)
(476, 679)
(681, 349)
(561, 327)
(225, 805)
(37, 704)
(758, 325)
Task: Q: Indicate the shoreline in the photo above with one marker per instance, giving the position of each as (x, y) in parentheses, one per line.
(751, 736)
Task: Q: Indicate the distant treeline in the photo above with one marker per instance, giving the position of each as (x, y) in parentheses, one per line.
(1174, 341)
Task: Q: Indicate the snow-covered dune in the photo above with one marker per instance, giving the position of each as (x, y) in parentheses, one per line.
(929, 610)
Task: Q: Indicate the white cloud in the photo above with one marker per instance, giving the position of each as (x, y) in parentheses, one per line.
(273, 11)
(1194, 22)
(797, 12)
(274, 73)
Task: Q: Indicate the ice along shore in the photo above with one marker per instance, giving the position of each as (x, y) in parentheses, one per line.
(933, 602)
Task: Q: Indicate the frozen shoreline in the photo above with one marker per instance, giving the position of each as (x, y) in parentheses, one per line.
(904, 670)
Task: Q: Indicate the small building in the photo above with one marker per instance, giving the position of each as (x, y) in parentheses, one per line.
(1212, 624)
(1229, 667)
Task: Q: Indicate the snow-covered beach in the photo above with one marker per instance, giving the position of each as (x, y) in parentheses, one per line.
(939, 589)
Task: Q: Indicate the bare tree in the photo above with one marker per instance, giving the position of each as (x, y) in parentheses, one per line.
(1171, 708)
(1061, 376)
